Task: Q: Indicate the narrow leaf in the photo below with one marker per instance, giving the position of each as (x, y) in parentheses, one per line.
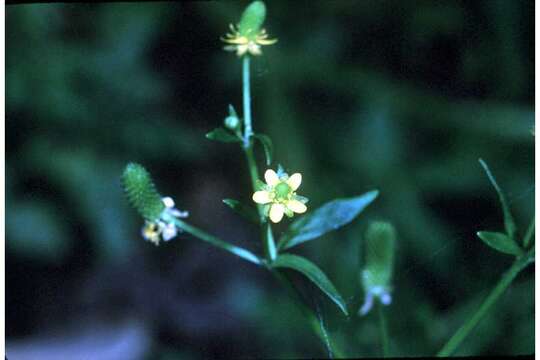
(509, 224)
(242, 210)
(500, 242)
(529, 234)
(232, 111)
(267, 146)
(328, 217)
(313, 273)
(220, 134)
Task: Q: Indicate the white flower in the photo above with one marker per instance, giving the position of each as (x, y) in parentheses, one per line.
(163, 228)
(379, 292)
(247, 43)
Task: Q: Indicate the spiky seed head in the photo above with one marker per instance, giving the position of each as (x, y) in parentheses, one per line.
(141, 192)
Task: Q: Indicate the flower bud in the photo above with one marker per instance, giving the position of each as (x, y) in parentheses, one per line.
(141, 192)
(232, 122)
(376, 275)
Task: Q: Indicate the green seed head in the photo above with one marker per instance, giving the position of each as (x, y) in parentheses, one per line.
(141, 192)
(252, 19)
(380, 249)
(282, 190)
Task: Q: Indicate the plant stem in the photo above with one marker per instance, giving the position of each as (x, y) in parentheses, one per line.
(384, 331)
(507, 278)
(250, 156)
(198, 233)
(248, 131)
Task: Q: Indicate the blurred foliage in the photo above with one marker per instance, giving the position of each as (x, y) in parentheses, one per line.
(401, 96)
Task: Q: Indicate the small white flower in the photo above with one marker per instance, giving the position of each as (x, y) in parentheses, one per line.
(163, 228)
(379, 292)
(169, 231)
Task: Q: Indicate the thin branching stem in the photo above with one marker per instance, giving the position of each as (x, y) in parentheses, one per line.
(317, 326)
(521, 262)
(214, 240)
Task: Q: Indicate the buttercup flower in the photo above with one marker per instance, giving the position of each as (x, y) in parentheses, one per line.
(246, 43)
(279, 193)
(163, 228)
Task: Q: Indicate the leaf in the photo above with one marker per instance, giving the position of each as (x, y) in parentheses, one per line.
(232, 111)
(500, 242)
(509, 224)
(313, 273)
(267, 145)
(220, 134)
(328, 217)
(242, 210)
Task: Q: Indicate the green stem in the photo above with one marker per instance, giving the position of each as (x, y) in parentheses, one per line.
(384, 331)
(248, 131)
(250, 156)
(198, 233)
(507, 278)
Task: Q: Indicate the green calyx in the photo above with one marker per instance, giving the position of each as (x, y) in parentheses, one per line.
(252, 19)
(141, 192)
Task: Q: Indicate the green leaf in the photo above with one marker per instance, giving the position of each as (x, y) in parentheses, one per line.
(328, 217)
(529, 234)
(500, 242)
(232, 111)
(220, 134)
(267, 146)
(313, 273)
(509, 223)
(242, 210)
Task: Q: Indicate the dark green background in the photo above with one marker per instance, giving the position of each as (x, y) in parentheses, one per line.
(401, 96)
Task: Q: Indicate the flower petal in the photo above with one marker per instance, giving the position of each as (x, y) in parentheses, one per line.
(168, 202)
(169, 231)
(271, 177)
(264, 41)
(261, 197)
(294, 181)
(276, 212)
(296, 206)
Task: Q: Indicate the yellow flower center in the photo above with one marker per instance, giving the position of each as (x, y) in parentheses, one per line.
(282, 191)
